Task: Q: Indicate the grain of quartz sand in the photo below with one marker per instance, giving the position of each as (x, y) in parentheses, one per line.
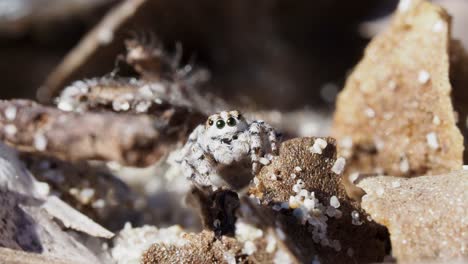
(426, 216)
(395, 115)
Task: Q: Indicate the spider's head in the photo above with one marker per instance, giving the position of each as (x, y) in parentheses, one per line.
(225, 124)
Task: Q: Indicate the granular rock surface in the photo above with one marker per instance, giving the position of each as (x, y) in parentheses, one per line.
(301, 197)
(427, 216)
(204, 247)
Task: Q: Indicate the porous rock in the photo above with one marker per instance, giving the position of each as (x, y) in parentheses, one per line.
(205, 248)
(348, 236)
(316, 171)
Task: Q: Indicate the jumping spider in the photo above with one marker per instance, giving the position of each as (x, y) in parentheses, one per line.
(226, 138)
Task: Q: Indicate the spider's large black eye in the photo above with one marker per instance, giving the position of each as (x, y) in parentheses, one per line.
(210, 122)
(231, 121)
(220, 124)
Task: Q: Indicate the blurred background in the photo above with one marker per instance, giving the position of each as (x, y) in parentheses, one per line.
(268, 54)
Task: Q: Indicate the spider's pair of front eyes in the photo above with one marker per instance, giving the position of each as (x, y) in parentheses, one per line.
(220, 123)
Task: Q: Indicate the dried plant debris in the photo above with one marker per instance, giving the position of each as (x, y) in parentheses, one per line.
(137, 141)
(95, 45)
(162, 85)
(217, 209)
(33, 220)
(132, 96)
(426, 216)
(147, 56)
(91, 189)
(395, 115)
(300, 196)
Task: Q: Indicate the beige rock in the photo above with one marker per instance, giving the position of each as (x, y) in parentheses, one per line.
(427, 216)
(395, 115)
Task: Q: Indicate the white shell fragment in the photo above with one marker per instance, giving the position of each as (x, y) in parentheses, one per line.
(40, 142)
(318, 146)
(10, 130)
(264, 161)
(10, 113)
(339, 165)
(334, 202)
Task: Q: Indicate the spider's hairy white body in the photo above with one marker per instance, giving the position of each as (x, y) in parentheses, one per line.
(225, 138)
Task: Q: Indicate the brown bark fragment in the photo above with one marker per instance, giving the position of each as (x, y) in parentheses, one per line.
(129, 140)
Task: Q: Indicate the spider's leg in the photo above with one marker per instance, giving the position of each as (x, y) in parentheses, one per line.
(255, 146)
(272, 138)
(205, 168)
(198, 169)
(191, 143)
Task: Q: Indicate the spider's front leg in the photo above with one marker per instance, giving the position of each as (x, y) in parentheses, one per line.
(197, 167)
(190, 144)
